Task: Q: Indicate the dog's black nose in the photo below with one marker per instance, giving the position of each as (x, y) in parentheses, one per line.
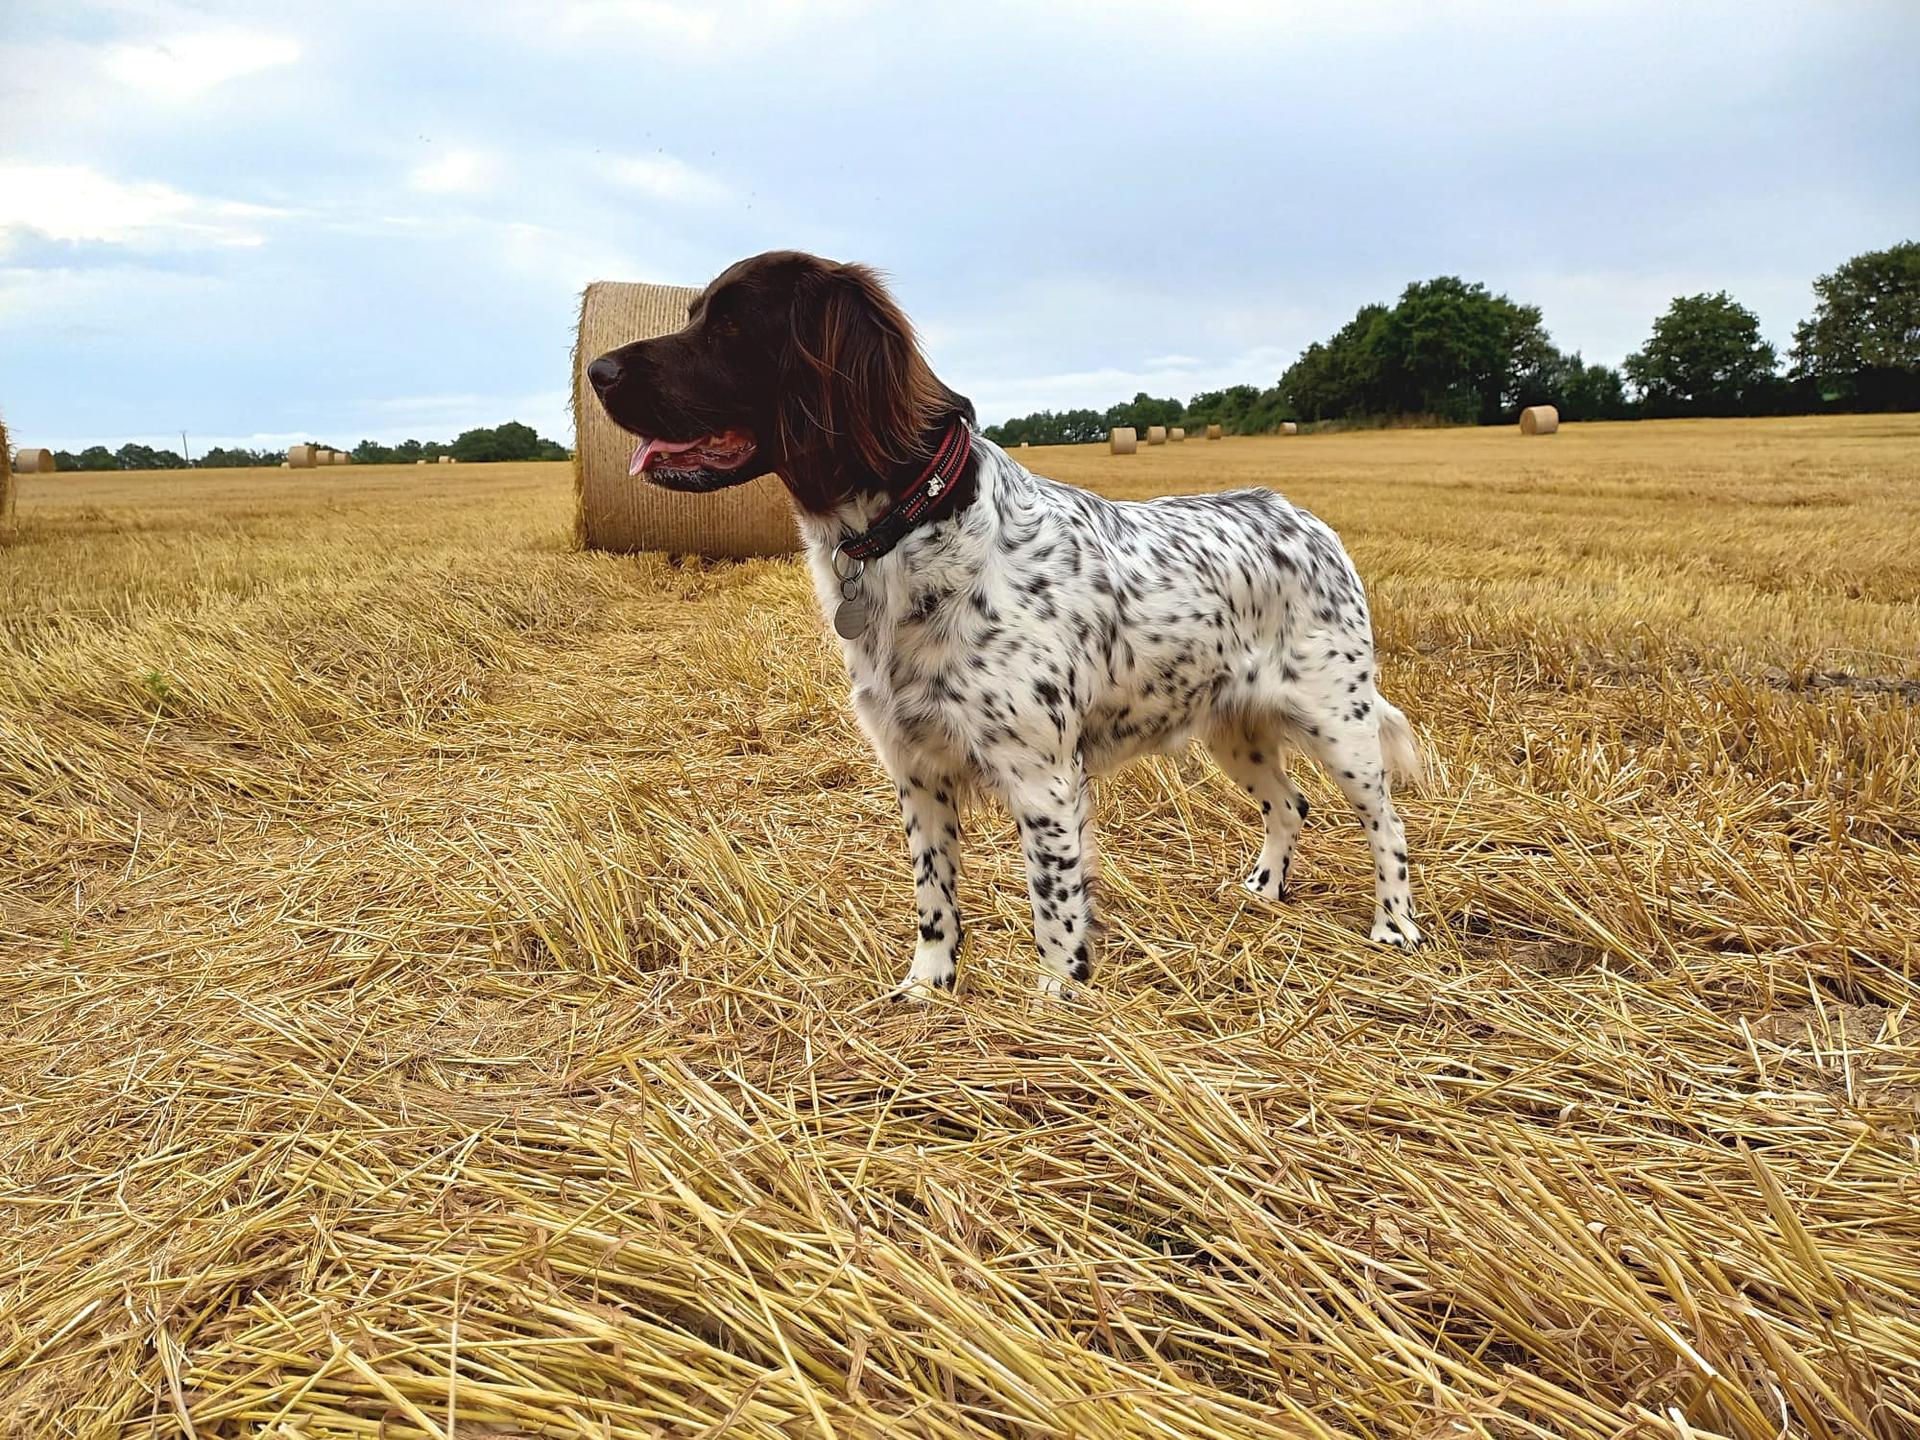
(604, 373)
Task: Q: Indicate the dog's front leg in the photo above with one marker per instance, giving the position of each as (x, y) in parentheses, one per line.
(1052, 812)
(933, 839)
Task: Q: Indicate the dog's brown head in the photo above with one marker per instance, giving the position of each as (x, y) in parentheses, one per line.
(788, 363)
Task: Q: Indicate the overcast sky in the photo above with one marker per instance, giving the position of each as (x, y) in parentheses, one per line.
(262, 222)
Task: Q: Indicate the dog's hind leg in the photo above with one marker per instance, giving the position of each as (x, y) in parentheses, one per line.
(1254, 755)
(1347, 741)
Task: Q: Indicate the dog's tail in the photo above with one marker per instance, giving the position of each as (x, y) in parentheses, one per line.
(1399, 749)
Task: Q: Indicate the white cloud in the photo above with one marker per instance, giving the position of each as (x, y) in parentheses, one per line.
(184, 66)
(457, 172)
(665, 178)
(77, 203)
(93, 301)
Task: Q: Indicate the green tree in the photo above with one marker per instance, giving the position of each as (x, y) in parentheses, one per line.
(1862, 344)
(145, 457)
(1593, 392)
(1446, 348)
(1339, 380)
(1456, 350)
(1232, 409)
(1705, 357)
(1045, 427)
(511, 441)
(1144, 411)
(1579, 391)
(238, 457)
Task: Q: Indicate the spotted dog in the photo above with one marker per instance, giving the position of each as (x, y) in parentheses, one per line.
(1008, 634)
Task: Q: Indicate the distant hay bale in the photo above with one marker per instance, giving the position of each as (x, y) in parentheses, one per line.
(446, 459)
(1539, 420)
(34, 461)
(323, 456)
(6, 480)
(1287, 427)
(1122, 440)
(627, 513)
(1025, 444)
(340, 457)
(1213, 432)
(419, 462)
(1156, 434)
(302, 457)
(286, 464)
(1178, 432)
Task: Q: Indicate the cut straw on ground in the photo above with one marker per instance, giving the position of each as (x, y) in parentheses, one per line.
(440, 976)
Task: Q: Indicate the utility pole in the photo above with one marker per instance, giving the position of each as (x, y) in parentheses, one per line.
(188, 454)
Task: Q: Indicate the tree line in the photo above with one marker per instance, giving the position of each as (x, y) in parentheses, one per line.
(511, 441)
(1453, 352)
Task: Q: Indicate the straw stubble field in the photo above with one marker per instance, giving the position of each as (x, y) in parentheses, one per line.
(439, 976)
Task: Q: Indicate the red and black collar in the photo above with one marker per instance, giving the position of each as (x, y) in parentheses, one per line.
(924, 500)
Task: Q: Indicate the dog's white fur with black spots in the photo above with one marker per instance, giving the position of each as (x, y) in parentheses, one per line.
(1046, 635)
(1028, 636)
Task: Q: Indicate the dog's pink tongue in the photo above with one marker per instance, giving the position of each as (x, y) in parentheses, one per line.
(647, 449)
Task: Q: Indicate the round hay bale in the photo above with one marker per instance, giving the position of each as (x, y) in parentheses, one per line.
(302, 457)
(286, 464)
(626, 513)
(6, 480)
(1287, 427)
(1026, 444)
(1213, 432)
(340, 457)
(419, 462)
(1178, 432)
(1122, 440)
(1539, 420)
(446, 459)
(1156, 434)
(34, 461)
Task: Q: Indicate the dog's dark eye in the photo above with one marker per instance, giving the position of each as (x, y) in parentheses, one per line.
(721, 325)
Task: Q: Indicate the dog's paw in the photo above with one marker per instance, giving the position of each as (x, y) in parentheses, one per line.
(1054, 989)
(926, 978)
(1401, 934)
(1268, 884)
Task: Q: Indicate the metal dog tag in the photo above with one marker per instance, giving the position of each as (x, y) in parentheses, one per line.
(853, 614)
(851, 618)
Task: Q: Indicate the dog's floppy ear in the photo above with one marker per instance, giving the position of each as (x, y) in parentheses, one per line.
(856, 392)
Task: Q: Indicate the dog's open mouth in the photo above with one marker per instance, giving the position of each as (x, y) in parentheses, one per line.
(708, 462)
